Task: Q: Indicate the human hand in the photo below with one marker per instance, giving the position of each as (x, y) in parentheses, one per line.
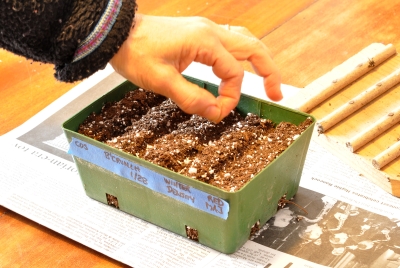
(158, 49)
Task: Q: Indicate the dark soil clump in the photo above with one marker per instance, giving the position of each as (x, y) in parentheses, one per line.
(226, 155)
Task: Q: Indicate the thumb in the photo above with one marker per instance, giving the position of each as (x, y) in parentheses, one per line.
(190, 97)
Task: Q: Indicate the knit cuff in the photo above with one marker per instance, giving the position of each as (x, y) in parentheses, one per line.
(96, 50)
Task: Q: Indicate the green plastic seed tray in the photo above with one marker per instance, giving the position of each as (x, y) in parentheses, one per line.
(216, 218)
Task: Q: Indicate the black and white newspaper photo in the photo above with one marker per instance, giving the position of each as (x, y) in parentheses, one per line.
(333, 233)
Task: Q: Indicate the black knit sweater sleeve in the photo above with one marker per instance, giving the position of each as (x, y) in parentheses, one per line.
(50, 31)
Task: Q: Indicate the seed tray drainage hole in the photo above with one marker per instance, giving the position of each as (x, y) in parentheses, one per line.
(255, 228)
(112, 200)
(192, 233)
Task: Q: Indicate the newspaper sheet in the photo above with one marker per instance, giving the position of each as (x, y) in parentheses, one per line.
(337, 219)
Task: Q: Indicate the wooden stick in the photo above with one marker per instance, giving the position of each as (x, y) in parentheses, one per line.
(374, 130)
(387, 156)
(341, 76)
(358, 102)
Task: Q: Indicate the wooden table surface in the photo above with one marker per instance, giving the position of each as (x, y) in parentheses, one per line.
(307, 37)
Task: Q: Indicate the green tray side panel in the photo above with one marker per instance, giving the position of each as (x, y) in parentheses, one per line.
(257, 201)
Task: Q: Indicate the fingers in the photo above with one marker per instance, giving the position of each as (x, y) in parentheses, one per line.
(264, 66)
(245, 46)
(231, 73)
(235, 43)
(195, 100)
(272, 85)
(191, 98)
